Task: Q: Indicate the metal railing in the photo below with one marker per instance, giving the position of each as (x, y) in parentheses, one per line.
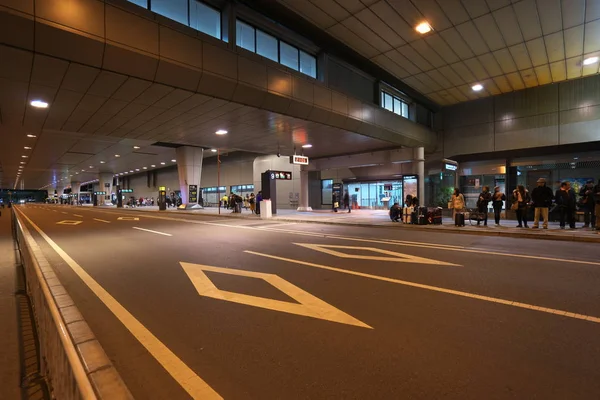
(72, 361)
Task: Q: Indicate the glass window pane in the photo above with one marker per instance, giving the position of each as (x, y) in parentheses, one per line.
(176, 10)
(389, 104)
(326, 191)
(141, 3)
(288, 55)
(266, 45)
(245, 36)
(205, 19)
(404, 110)
(397, 106)
(308, 64)
(382, 104)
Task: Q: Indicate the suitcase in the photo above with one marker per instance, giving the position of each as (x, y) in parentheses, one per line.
(459, 219)
(407, 215)
(434, 216)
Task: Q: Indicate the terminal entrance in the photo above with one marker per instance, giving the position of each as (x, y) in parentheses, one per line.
(378, 195)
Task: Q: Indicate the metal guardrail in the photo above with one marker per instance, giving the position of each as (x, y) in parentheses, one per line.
(72, 360)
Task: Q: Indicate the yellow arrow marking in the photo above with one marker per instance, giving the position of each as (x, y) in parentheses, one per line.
(310, 306)
(395, 257)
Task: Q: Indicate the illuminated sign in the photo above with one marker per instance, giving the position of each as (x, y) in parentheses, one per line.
(450, 167)
(126, 190)
(298, 160)
(285, 175)
(193, 194)
(100, 193)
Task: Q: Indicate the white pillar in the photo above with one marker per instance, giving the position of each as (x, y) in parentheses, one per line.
(303, 204)
(105, 183)
(75, 189)
(419, 170)
(189, 169)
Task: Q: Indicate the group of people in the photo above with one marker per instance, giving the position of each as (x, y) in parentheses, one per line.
(235, 202)
(542, 200)
(396, 210)
(335, 202)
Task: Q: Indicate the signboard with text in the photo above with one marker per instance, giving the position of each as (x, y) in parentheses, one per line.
(193, 193)
(126, 190)
(100, 193)
(298, 160)
(285, 175)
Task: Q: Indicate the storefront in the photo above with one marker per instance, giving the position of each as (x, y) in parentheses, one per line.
(212, 195)
(242, 190)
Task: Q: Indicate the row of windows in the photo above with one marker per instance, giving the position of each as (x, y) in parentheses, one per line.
(394, 104)
(192, 13)
(270, 47)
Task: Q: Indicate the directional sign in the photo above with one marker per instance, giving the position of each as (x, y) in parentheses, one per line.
(308, 305)
(128, 219)
(388, 255)
(67, 222)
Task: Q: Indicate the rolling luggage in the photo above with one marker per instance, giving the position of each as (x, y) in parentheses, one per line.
(407, 215)
(459, 219)
(420, 216)
(434, 216)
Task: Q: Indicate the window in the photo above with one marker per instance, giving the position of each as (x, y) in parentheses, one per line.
(288, 55)
(245, 36)
(266, 45)
(141, 3)
(308, 64)
(205, 19)
(326, 191)
(394, 104)
(176, 10)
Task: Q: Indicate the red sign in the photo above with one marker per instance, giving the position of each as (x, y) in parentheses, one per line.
(299, 160)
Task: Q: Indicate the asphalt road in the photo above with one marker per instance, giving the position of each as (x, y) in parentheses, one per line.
(359, 313)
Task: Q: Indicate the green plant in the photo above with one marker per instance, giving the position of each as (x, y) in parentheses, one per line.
(443, 197)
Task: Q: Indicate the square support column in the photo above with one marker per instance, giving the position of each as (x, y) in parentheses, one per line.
(189, 170)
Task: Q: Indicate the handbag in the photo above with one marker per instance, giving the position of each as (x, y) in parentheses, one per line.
(336, 205)
(514, 206)
(450, 205)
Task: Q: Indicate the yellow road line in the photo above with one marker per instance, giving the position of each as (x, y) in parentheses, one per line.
(192, 383)
(101, 220)
(437, 289)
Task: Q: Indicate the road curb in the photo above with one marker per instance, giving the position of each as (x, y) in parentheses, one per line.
(420, 228)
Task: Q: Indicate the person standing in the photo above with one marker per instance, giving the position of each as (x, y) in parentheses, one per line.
(565, 200)
(334, 202)
(522, 198)
(482, 204)
(347, 201)
(587, 204)
(457, 202)
(542, 198)
(252, 202)
(498, 199)
(258, 200)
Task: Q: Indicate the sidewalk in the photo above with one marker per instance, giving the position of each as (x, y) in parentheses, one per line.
(380, 218)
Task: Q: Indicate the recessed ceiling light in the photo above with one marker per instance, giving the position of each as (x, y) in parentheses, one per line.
(27, 148)
(117, 155)
(39, 104)
(162, 163)
(31, 135)
(173, 160)
(23, 162)
(153, 166)
(145, 168)
(131, 171)
(24, 156)
(221, 132)
(71, 175)
(423, 27)
(590, 60)
(76, 173)
(136, 147)
(91, 166)
(477, 87)
(102, 162)
(137, 169)
(307, 146)
(213, 150)
(83, 170)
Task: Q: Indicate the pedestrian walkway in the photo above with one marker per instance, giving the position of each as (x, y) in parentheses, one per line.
(380, 218)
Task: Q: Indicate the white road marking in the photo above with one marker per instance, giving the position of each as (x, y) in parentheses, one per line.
(438, 289)
(77, 215)
(101, 220)
(151, 231)
(63, 212)
(186, 377)
(308, 305)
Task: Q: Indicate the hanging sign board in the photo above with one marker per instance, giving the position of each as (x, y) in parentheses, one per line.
(285, 175)
(298, 160)
(450, 167)
(100, 193)
(126, 190)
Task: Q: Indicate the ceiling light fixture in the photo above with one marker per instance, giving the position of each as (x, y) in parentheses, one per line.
(23, 162)
(30, 135)
(221, 132)
(102, 162)
(91, 166)
(173, 160)
(307, 146)
(590, 60)
(131, 171)
(24, 156)
(213, 150)
(145, 168)
(39, 104)
(117, 155)
(423, 27)
(162, 163)
(27, 148)
(136, 147)
(153, 166)
(477, 87)
(137, 169)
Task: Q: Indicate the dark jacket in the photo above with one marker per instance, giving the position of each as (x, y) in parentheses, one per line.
(542, 196)
(346, 199)
(497, 199)
(587, 197)
(565, 198)
(597, 193)
(483, 200)
(395, 212)
(526, 199)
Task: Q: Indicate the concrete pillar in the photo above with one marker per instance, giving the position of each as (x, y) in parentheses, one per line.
(303, 204)
(419, 170)
(105, 181)
(75, 189)
(189, 169)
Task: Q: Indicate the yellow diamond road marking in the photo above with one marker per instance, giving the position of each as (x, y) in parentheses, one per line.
(389, 255)
(128, 219)
(310, 306)
(67, 222)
